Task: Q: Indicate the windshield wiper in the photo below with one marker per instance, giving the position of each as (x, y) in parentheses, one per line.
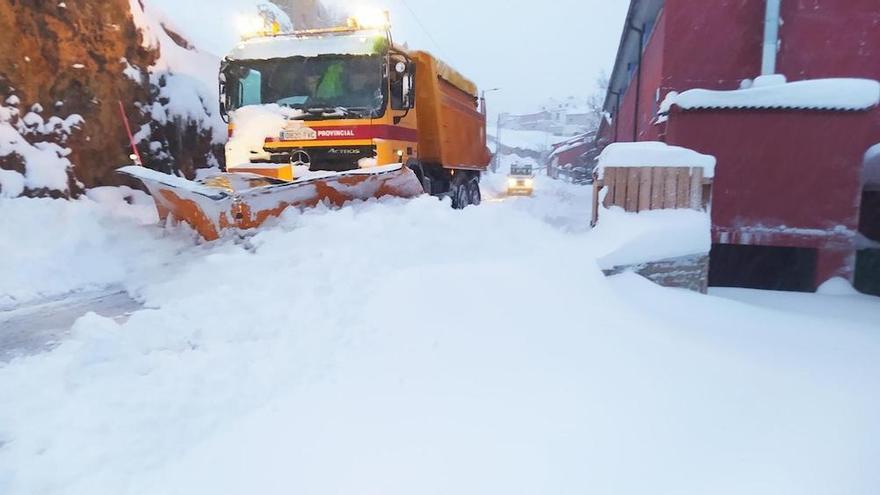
(335, 111)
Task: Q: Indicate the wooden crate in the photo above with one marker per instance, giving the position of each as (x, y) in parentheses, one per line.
(638, 189)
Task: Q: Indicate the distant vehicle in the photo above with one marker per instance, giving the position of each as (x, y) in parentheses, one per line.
(521, 181)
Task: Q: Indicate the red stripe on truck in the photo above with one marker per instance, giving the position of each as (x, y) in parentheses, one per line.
(344, 133)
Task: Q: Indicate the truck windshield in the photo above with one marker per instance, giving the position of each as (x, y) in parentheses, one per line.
(329, 86)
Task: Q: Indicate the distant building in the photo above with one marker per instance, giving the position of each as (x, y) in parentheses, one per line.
(568, 117)
(573, 159)
(794, 201)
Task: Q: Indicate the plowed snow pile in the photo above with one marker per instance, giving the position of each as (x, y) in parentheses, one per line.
(402, 347)
(49, 248)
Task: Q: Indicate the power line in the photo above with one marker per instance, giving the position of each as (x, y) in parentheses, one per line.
(422, 25)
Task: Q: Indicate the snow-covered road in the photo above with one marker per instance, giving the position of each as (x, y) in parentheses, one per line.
(37, 327)
(404, 347)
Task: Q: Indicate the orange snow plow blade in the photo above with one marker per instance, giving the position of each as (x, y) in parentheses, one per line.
(243, 201)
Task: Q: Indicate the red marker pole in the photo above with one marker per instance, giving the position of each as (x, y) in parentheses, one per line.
(137, 154)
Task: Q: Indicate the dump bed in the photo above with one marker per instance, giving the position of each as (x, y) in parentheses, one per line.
(452, 130)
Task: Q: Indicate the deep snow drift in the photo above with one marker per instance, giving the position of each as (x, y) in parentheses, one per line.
(400, 347)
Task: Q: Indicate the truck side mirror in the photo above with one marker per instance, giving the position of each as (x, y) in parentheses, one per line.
(224, 113)
(403, 87)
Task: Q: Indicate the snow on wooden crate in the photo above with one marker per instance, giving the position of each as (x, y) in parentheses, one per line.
(639, 185)
(652, 176)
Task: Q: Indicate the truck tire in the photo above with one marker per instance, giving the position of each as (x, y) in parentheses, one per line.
(460, 196)
(475, 196)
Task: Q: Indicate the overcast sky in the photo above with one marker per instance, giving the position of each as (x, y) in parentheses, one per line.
(531, 49)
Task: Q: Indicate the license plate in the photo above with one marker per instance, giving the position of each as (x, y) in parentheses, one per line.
(301, 134)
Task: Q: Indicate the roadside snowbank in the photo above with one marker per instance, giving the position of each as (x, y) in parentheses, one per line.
(621, 238)
(51, 247)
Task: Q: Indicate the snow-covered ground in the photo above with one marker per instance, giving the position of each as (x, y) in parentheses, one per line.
(405, 347)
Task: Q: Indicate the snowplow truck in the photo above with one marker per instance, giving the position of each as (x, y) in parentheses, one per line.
(331, 116)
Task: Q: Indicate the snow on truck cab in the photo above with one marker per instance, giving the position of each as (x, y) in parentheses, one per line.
(331, 116)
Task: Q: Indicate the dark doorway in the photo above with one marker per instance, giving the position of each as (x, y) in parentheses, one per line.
(868, 272)
(869, 219)
(763, 267)
(868, 260)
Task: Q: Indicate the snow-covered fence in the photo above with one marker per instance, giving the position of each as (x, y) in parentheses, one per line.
(652, 176)
(638, 188)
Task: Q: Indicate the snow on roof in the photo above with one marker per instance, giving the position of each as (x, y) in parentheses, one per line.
(284, 46)
(654, 154)
(580, 141)
(773, 92)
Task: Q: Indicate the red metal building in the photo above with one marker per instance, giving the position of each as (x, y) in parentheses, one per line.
(792, 206)
(573, 157)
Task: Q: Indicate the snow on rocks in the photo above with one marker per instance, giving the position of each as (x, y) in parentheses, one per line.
(654, 154)
(11, 182)
(773, 92)
(185, 77)
(37, 146)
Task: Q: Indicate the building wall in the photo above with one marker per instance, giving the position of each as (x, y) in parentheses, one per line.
(784, 178)
(717, 44)
(653, 69)
(829, 38)
(623, 128)
(572, 156)
(714, 44)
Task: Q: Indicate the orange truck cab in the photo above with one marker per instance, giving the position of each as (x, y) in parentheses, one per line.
(354, 100)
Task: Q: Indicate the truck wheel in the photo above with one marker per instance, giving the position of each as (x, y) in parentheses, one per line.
(460, 196)
(474, 193)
